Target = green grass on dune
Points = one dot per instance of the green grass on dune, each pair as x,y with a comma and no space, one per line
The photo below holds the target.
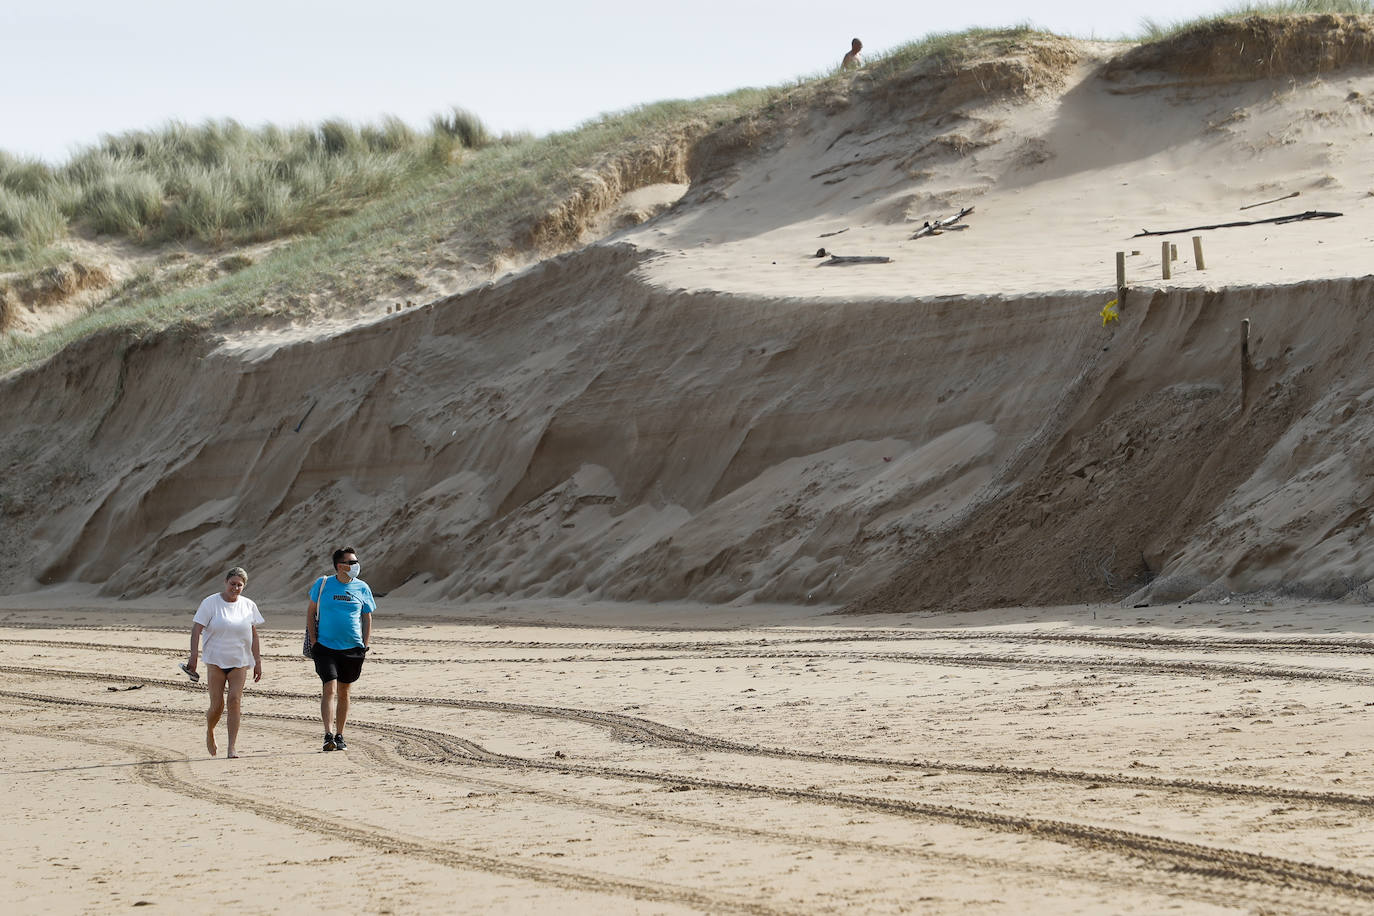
476,195
218,182
350,201
1151,30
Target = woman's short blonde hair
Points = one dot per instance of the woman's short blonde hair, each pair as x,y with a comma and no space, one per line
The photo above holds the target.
237,571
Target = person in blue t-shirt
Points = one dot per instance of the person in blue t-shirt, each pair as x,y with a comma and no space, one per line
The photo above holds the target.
338,627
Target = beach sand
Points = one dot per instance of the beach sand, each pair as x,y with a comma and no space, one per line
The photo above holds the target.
602,758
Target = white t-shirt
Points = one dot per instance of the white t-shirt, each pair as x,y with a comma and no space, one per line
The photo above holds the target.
227,640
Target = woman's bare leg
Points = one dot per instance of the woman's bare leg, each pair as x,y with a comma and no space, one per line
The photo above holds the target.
236,679
215,680
327,706
341,708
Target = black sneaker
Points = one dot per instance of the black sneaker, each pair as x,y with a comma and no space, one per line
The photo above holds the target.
339,744
331,743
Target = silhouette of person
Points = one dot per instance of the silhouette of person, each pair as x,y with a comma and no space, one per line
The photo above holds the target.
851,60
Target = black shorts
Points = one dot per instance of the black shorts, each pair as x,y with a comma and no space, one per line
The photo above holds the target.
342,665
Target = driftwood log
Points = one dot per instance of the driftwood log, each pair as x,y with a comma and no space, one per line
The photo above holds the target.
842,259
1277,220
941,225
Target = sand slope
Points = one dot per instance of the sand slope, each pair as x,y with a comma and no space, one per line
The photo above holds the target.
697,409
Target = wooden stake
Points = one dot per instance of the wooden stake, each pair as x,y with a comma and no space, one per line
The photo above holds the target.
1245,367
1173,252
1197,253
1164,260
1120,270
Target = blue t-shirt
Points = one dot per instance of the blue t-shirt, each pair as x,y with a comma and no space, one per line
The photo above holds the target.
341,611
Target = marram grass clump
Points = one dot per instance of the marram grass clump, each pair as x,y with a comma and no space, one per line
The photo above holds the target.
219,182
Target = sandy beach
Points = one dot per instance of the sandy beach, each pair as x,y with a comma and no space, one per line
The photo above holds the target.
594,758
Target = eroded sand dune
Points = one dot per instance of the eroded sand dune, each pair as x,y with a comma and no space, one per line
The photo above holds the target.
695,409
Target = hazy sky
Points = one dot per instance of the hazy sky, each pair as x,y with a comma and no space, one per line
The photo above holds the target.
71,70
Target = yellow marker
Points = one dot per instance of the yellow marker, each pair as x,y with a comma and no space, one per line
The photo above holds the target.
1109,313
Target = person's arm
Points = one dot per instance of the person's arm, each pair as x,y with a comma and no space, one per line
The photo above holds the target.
367,629
257,657
312,617
194,657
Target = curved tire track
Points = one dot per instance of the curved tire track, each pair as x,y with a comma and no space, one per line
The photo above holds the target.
158,773
1211,861
656,732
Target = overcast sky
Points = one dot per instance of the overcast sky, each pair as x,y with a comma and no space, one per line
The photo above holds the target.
71,70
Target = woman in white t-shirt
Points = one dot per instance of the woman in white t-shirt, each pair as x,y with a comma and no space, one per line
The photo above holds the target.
229,623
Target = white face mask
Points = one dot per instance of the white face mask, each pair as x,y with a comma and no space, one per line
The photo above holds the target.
353,570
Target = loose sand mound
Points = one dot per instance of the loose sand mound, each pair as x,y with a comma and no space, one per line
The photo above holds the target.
698,409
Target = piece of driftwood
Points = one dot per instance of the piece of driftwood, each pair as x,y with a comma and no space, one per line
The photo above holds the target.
940,225
1277,220
841,259
1274,201
826,235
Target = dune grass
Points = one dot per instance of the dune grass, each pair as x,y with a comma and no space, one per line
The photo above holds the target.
479,195
352,199
1152,30
219,182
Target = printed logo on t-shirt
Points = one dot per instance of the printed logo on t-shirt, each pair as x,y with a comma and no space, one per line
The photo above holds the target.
349,598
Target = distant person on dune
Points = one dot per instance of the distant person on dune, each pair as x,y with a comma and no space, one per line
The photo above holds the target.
229,622
338,628
852,60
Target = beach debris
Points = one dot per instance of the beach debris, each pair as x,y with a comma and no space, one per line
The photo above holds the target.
841,259
826,235
308,411
948,223
1110,312
1274,201
1277,220
129,687
821,253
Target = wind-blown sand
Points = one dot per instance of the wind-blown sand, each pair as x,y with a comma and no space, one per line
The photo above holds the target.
688,543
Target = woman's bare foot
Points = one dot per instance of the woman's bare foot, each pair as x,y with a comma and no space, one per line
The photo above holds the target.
210,742
231,755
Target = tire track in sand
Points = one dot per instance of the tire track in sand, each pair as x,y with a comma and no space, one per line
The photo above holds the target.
648,730
155,771
1160,851
1315,645
967,660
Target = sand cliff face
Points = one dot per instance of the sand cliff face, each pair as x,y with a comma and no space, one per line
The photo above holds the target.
568,433
646,419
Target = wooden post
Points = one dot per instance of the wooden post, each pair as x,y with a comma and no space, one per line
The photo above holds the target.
1120,270
1245,367
1164,260
1197,253
1173,252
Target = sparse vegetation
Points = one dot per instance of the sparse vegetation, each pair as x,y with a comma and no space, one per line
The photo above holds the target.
354,203
1151,30
218,182
486,195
